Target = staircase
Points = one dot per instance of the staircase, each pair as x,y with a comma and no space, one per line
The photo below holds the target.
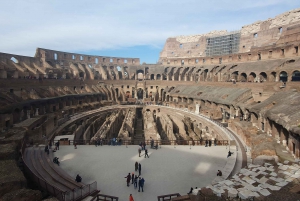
138,131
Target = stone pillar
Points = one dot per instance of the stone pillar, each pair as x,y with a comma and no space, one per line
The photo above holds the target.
36,111
197,109
28,114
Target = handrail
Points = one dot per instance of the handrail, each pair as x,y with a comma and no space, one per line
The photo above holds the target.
100,197
169,196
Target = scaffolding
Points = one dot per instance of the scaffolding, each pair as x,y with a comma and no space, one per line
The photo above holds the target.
224,44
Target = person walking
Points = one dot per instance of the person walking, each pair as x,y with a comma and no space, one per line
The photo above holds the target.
209,142
146,153
128,179
57,145
131,198
141,184
132,178
135,181
140,169
140,151
206,143
136,165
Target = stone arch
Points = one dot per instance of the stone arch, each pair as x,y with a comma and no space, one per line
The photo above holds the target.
158,77
140,74
295,76
234,75
272,77
152,77
14,60
283,76
243,77
252,77
263,77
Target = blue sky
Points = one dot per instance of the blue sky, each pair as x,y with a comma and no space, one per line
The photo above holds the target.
132,28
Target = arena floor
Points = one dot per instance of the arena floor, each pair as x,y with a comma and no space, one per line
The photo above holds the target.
168,170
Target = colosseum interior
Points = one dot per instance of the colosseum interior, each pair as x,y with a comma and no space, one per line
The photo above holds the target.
236,88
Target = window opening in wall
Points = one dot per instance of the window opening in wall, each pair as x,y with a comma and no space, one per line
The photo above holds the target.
14,60
90,66
280,29
203,60
127,86
259,56
249,56
282,51
239,57
270,53
133,61
182,61
151,87
55,56
103,59
125,61
244,46
73,57
220,60
197,45
255,35
81,58
180,46
96,60
296,49
110,60
119,68
196,61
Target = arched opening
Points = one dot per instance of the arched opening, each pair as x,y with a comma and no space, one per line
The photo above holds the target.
96,61
283,76
234,75
140,93
140,74
55,56
81,74
14,60
272,77
296,76
152,77
263,77
243,77
158,77
127,94
252,77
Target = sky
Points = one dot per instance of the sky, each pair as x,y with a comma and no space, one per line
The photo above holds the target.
131,28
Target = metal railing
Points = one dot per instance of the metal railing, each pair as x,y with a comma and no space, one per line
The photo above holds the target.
100,197
167,197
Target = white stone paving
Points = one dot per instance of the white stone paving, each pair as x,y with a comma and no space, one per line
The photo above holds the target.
168,170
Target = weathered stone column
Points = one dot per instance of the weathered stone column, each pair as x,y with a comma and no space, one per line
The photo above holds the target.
197,109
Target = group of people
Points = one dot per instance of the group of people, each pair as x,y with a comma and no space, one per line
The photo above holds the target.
98,142
115,142
135,179
209,142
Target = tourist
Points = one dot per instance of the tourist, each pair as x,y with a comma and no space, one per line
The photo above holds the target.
140,169
50,144
78,178
215,141
152,143
206,143
136,165
140,151
146,153
75,145
219,173
101,142
229,153
209,142
190,191
47,150
120,142
141,184
55,160
131,198
57,145
96,143
135,181
128,178
132,178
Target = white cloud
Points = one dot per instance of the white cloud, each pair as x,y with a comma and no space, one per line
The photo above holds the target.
78,26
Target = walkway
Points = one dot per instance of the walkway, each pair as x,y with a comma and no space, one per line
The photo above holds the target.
168,170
